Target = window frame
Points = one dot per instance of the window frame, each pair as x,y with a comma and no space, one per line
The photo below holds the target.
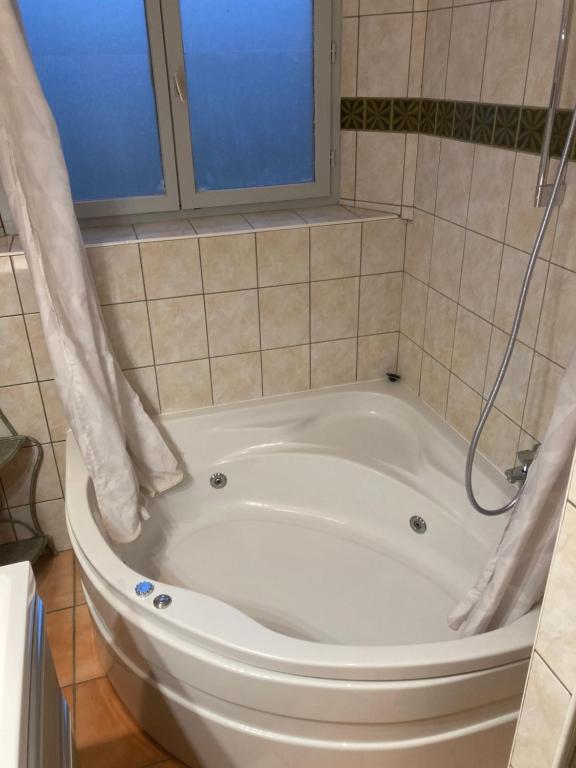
169,201
193,199
181,199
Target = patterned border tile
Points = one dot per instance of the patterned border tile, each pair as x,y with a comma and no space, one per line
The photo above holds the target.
499,125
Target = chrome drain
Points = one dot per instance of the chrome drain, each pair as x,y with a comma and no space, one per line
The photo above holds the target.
218,480
418,524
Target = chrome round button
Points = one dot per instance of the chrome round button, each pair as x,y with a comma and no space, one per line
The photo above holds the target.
218,480
162,601
418,524
144,588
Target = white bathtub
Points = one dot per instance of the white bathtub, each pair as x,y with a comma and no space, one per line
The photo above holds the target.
307,627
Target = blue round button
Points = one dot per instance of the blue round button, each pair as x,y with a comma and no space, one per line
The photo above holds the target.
144,588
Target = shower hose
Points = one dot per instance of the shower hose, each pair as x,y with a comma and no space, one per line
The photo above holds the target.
558,179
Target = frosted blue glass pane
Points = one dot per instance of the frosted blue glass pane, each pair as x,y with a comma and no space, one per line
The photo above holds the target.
250,76
93,61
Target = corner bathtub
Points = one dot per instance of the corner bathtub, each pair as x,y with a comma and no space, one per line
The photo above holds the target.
307,627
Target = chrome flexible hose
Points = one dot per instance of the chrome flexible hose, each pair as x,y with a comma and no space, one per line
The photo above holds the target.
514,332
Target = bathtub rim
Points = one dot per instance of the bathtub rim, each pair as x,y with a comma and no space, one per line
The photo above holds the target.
222,629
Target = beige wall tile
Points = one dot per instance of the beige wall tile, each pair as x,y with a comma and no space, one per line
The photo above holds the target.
436,54
427,165
347,165
409,180
543,712
543,52
409,362
380,299
60,456
480,275
349,57
434,384
171,268
17,366
237,377
39,349
419,246
523,218
383,246
413,312
564,251
283,256
350,7
57,421
557,632
467,51
129,333
228,263
22,406
377,355
184,385
542,390
163,229
557,331
440,327
285,316
463,408
454,178
286,370
207,226
51,517
333,362
471,347
447,256
274,219
233,325
514,265
335,251
509,37
178,329
380,167
499,441
117,273
24,282
384,6
334,309
417,54
490,190
512,396
143,382
384,55
9,301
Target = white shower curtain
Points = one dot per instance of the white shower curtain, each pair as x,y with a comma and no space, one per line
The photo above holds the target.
121,446
514,579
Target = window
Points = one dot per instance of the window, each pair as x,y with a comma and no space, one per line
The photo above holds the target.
165,105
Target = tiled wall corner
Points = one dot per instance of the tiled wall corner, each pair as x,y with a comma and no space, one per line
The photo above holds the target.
552,676
474,225
198,321
382,57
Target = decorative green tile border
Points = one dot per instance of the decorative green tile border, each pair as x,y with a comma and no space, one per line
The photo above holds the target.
497,125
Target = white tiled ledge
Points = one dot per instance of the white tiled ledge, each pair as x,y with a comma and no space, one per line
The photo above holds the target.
211,226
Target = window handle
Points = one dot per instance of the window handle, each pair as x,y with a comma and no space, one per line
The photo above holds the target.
179,87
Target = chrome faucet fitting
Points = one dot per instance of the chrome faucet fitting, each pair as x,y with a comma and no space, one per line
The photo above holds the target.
517,475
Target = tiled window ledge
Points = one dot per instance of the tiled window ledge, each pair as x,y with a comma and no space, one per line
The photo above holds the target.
211,226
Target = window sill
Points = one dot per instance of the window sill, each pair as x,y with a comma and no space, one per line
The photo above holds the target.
211,226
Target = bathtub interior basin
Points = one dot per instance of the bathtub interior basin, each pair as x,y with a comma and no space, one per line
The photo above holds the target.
312,535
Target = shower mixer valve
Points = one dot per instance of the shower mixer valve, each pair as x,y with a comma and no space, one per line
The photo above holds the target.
519,474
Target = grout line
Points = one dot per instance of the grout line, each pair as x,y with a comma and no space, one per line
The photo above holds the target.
359,294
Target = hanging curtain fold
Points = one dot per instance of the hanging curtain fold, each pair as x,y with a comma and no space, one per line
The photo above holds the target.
121,446
514,579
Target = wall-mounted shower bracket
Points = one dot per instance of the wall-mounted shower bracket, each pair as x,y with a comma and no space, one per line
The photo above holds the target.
544,193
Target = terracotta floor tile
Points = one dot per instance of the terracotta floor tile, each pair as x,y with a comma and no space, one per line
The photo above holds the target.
106,734
87,661
168,764
55,581
79,598
59,629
